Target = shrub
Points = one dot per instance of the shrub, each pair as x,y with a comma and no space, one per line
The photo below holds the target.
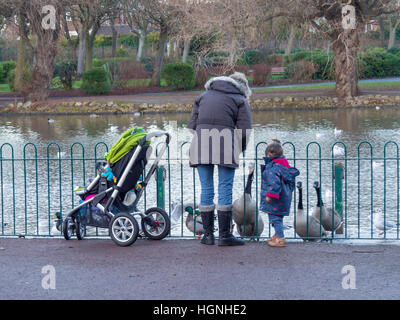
67,72
95,81
252,57
261,73
394,50
11,80
325,62
148,64
378,62
56,83
121,52
26,81
5,68
179,75
202,76
129,40
301,70
241,68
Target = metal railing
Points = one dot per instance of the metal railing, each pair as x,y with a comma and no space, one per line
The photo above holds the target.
35,184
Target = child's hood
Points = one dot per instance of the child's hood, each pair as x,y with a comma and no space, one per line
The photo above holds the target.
287,172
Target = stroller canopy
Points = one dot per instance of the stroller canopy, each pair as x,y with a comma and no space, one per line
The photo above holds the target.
129,140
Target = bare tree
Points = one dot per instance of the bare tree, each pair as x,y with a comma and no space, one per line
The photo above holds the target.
329,18
394,22
88,16
137,21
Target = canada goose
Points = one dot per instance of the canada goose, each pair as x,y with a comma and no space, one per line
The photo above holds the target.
244,211
315,229
324,214
244,208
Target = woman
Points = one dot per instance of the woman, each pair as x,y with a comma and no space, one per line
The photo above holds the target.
221,122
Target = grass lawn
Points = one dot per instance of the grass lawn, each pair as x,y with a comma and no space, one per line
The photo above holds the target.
4,87
365,85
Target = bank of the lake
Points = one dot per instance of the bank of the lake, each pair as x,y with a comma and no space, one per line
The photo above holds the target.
184,101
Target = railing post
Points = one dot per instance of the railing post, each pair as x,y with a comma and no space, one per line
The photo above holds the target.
339,192
161,175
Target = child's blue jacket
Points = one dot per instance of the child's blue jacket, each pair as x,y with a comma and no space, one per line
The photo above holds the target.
277,185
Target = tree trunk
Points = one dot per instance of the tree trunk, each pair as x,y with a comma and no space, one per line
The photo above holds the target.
292,36
114,38
186,50
346,48
381,31
88,50
392,37
81,51
21,61
67,36
156,77
45,63
142,39
177,50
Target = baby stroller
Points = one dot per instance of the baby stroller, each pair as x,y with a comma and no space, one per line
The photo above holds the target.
113,204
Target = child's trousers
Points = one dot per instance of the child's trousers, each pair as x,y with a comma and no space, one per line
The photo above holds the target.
277,223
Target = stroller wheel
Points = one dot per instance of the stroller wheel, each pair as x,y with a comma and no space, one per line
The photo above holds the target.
156,225
124,229
68,228
80,230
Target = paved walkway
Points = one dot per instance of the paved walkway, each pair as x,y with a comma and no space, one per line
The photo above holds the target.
184,269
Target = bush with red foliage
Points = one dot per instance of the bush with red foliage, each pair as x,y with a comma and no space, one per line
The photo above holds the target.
260,73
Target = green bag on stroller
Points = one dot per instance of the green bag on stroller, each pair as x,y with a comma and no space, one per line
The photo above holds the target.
125,144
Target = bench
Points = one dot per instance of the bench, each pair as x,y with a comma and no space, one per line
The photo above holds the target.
278,71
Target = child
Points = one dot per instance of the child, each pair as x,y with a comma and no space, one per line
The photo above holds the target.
277,185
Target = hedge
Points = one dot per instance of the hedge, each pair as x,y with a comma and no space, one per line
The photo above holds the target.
378,62
179,75
95,81
5,69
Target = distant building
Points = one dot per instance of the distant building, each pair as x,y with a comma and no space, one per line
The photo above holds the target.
371,25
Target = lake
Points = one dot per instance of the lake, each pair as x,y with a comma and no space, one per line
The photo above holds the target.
370,184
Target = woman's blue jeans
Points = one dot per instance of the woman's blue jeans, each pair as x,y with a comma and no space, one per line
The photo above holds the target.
225,184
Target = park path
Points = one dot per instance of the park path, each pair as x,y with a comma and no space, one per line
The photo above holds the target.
186,97
184,269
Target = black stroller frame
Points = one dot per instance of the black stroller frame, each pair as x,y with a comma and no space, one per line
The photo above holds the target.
123,227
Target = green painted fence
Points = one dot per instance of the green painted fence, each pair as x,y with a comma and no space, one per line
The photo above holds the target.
362,184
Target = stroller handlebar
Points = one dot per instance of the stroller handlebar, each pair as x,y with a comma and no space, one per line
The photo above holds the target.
156,134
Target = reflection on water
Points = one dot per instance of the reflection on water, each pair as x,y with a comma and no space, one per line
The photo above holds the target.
25,194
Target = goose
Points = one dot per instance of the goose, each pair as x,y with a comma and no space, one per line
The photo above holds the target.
324,214
244,211
244,208
315,228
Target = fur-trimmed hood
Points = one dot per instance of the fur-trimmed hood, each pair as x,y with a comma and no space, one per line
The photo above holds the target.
228,85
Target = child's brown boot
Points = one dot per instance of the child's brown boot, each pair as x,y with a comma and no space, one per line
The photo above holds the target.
272,238
277,242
